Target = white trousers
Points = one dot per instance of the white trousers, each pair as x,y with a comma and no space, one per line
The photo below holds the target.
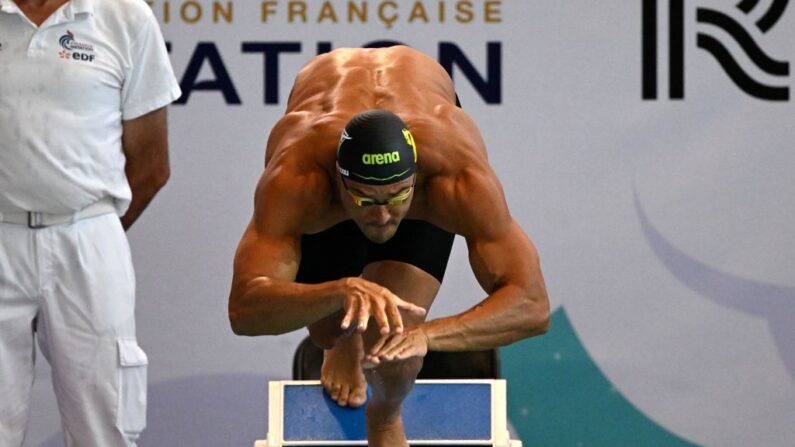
71,287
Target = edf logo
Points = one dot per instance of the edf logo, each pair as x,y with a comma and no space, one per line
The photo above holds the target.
744,32
68,43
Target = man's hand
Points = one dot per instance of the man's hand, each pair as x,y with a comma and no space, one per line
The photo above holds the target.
396,347
365,299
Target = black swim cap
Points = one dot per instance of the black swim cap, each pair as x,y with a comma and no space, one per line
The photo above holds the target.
376,148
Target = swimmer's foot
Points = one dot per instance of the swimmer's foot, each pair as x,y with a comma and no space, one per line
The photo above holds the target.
341,374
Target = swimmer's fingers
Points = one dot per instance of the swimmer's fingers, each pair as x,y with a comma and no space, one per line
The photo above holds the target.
386,314
378,345
401,347
393,314
409,307
383,353
370,360
364,315
379,313
351,311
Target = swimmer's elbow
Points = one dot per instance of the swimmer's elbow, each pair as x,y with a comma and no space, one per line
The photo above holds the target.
247,327
541,323
237,321
238,328
251,312
537,320
242,322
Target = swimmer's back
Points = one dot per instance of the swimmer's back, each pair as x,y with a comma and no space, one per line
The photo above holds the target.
349,80
333,87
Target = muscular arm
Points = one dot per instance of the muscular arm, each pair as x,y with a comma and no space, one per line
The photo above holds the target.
145,146
265,299
516,306
466,197
506,265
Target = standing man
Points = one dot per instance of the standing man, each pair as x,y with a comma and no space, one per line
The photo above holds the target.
83,150
368,176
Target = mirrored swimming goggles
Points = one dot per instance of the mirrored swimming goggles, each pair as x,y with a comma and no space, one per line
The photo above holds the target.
398,199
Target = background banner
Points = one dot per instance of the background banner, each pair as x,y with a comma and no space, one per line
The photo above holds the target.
645,146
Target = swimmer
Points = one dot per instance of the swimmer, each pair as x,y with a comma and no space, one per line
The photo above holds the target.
369,175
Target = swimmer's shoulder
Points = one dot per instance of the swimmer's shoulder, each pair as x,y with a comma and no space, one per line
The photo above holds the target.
300,156
454,168
448,141
306,138
295,191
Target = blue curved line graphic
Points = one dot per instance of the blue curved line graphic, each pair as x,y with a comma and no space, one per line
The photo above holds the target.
772,15
773,303
64,41
747,5
736,73
726,23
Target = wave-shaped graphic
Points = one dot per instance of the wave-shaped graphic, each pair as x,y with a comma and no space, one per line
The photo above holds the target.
748,45
747,6
744,39
772,16
773,303
737,74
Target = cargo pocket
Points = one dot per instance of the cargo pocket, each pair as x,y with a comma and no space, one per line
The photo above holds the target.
131,416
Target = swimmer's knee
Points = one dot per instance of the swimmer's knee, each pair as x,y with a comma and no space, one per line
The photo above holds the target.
326,332
322,342
324,338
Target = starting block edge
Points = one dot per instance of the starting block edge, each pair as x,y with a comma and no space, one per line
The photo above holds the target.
500,434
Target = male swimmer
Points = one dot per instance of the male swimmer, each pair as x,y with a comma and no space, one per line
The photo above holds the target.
368,176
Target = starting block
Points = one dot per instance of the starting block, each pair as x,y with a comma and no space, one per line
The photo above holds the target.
435,413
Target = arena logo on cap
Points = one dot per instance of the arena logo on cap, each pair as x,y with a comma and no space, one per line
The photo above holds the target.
736,28
381,159
72,49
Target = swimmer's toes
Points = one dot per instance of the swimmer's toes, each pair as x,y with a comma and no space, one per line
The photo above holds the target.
333,389
358,396
342,399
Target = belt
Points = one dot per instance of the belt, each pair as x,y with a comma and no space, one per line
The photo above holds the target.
36,220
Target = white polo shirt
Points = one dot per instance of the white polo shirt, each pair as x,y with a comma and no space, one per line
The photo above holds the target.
65,88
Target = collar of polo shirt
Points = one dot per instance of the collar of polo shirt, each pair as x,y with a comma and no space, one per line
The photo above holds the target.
82,6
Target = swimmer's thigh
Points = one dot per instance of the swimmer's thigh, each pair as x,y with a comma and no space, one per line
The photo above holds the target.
411,264
338,252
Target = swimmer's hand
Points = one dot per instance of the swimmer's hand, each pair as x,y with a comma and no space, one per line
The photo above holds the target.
364,300
396,347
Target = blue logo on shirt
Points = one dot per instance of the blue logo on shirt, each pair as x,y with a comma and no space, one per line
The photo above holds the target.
69,44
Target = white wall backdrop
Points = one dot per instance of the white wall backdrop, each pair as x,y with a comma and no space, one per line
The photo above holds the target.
666,226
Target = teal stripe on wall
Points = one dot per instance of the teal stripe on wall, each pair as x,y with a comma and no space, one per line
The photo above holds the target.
557,396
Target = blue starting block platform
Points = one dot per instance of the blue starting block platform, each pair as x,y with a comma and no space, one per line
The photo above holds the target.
435,413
